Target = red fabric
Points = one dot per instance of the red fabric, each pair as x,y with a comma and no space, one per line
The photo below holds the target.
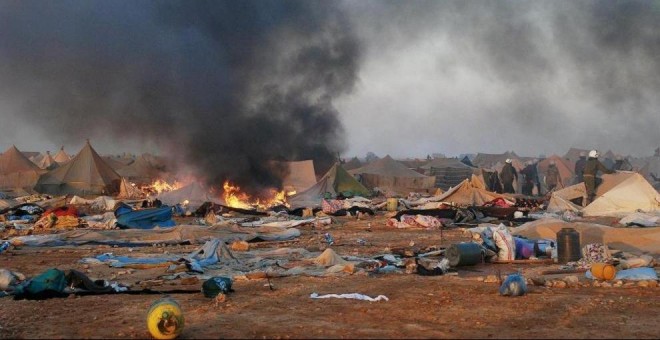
62,211
498,202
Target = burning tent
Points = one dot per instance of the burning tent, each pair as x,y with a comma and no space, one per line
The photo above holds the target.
85,174
140,171
192,195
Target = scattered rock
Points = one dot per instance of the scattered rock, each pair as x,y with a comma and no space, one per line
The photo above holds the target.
643,283
596,283
240,246
559,284
606,284
653,283
571,280
491,279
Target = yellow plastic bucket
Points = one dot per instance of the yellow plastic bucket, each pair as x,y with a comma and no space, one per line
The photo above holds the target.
392,204
603,271
165,319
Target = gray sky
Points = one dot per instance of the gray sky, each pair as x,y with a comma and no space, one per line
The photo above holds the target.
466,76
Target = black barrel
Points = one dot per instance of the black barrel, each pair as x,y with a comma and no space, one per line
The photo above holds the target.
463,254
568,245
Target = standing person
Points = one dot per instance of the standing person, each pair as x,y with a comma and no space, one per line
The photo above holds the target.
579,168
528,178
590,171
535,176
507,175
552,177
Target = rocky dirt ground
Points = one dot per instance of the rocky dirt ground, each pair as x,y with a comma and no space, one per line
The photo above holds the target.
448,306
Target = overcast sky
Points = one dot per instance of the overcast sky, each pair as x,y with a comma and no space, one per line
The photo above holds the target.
469,76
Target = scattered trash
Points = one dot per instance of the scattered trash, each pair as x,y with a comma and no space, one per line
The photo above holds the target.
355,296
329,239
514,285
165,319
361,242
4,246
603,271
216,285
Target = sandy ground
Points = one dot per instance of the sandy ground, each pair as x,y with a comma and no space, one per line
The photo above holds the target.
418,307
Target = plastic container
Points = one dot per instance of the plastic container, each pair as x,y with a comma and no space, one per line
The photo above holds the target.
392,204
568,245
603,271
464,254
165,319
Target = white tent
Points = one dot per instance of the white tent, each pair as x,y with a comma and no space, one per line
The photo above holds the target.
633,194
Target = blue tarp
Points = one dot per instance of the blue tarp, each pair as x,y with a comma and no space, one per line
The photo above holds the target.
146,218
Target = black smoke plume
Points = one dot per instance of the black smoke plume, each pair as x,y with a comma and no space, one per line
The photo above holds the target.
225,85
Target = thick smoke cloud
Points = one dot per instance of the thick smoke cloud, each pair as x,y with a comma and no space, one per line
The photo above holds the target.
225,85
490,76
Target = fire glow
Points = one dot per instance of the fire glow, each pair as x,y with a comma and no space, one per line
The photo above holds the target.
235,198
161,186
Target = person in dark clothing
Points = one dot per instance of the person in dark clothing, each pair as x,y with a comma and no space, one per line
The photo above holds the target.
590,171
529,178
552,177
494,184
507,175
579,168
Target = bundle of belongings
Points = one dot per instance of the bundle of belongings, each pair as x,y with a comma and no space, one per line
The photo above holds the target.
624,266
60,218
414,221
143,218
28,212
346,207
54,283
500,245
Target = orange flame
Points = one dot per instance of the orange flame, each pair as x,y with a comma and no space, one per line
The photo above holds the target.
237,199
161,186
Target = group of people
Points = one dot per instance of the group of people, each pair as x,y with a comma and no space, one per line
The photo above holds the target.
586,170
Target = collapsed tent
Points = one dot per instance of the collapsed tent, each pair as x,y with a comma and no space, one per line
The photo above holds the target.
619,193
388,174
633,194
192,195
448,172
470,194
85,174
17,171
627,239
145,218
300,176
335,181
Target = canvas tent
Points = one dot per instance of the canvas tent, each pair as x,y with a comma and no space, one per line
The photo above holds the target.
115,163
336,180
193,193
128,191
16,171
448,172
487,160
48,162
140,171
386,173
354,163
300,176
61,156
85,174
470,194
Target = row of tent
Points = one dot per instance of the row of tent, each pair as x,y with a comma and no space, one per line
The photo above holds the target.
87,173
